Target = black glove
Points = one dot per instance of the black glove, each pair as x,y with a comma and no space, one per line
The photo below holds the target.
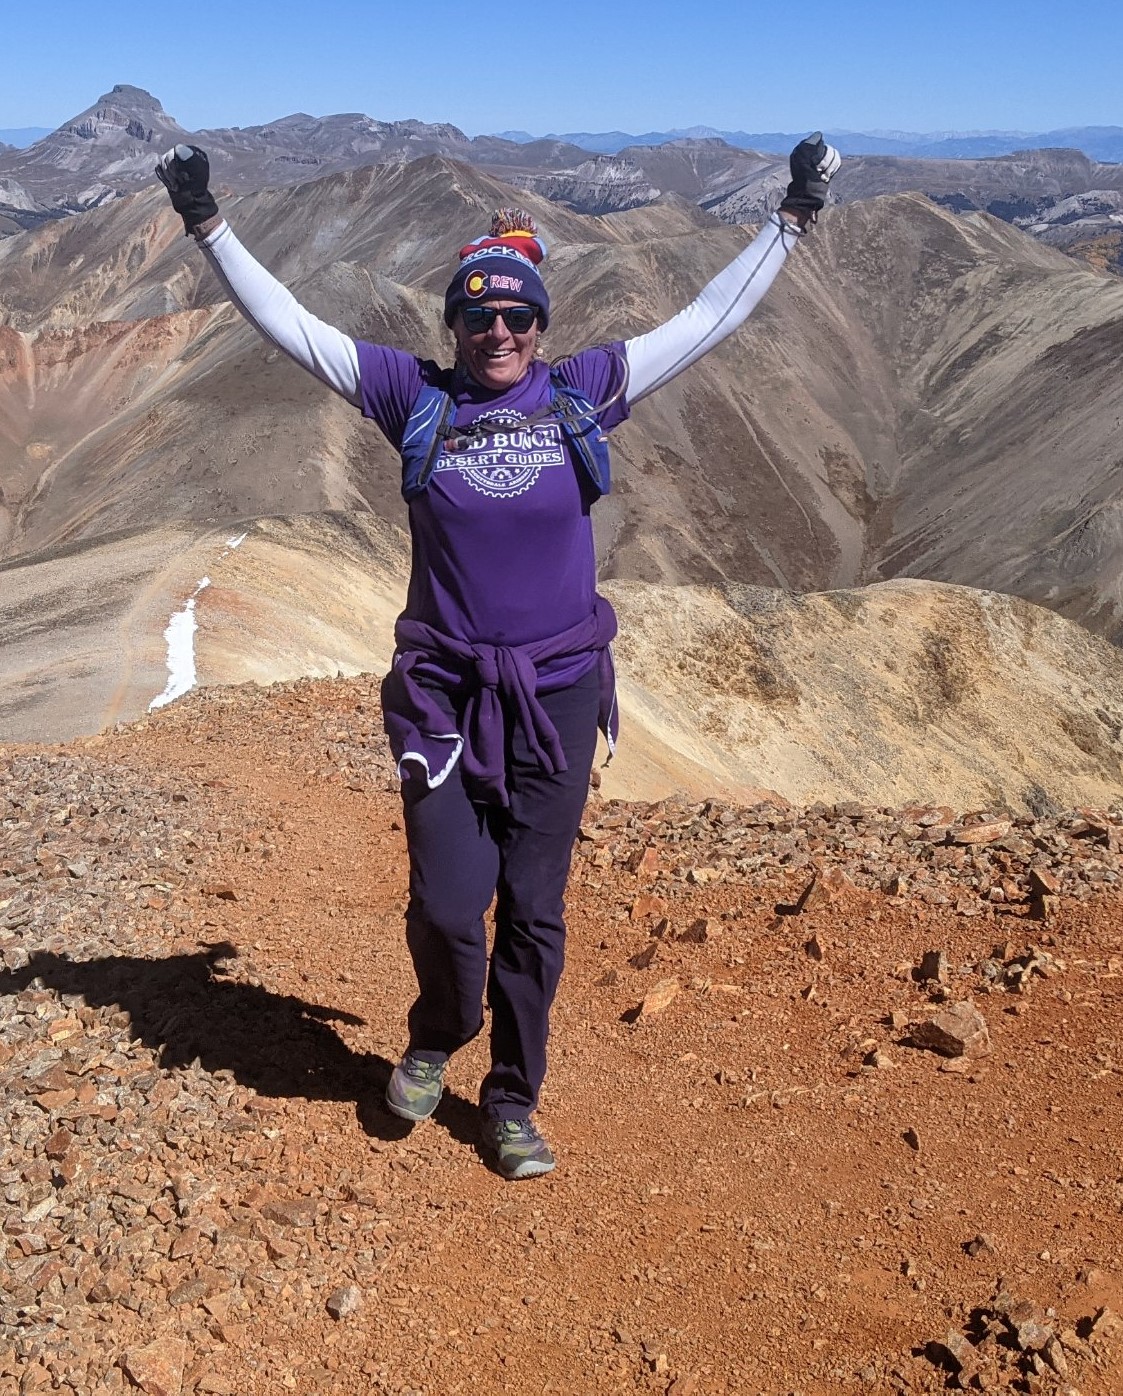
185,172
813,165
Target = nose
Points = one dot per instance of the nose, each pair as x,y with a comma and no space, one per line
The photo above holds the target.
498,331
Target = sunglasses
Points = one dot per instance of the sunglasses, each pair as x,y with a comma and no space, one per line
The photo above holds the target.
478,319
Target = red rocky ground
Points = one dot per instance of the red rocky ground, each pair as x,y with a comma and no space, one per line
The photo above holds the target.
765,1185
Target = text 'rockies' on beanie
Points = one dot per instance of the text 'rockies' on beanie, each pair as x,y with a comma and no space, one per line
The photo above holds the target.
503,265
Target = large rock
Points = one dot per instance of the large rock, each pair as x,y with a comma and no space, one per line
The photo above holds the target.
158,1368
959,1030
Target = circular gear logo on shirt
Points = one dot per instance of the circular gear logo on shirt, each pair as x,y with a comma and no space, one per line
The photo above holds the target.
510,456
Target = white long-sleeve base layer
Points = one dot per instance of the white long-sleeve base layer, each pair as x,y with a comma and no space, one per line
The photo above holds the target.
654,358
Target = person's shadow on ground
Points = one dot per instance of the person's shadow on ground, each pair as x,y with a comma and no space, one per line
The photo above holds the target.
183,1008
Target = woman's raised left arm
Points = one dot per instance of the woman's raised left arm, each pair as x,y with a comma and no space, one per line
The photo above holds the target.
728,300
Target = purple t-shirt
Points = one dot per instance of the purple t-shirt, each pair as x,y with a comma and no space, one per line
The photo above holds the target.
502,537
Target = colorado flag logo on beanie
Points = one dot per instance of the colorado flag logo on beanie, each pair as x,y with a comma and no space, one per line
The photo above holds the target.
504,263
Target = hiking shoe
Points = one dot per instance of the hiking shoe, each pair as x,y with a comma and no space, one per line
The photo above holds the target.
520,1151
416,1087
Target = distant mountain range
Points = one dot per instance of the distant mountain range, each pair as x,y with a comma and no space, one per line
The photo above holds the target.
110,149
1103,143
1058,194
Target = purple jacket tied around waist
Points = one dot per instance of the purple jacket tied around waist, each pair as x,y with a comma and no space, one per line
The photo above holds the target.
490,685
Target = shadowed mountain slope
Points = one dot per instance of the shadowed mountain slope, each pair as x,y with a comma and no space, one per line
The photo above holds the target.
1009,401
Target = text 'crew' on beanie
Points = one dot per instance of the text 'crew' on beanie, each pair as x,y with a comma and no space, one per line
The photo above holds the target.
502,265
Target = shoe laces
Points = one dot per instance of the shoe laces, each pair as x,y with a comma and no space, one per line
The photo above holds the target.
521,1130
418,1069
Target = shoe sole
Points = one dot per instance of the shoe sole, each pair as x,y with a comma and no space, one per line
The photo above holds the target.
531,1168
403,1112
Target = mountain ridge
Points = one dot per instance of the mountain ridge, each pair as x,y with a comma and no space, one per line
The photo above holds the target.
1099,142
112,147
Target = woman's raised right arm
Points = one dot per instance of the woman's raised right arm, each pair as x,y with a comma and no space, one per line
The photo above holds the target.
271,308
276,314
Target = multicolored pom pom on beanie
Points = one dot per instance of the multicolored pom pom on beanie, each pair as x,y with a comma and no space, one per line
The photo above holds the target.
502,265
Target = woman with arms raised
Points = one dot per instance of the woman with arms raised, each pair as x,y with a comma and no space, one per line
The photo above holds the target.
502,671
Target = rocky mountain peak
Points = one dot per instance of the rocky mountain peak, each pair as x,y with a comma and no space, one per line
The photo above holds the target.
136,98
125,113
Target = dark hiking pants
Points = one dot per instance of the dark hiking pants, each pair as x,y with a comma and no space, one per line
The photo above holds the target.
461,855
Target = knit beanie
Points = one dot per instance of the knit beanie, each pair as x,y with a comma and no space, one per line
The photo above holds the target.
503,265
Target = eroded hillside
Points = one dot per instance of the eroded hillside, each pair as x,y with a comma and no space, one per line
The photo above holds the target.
921,393
897,691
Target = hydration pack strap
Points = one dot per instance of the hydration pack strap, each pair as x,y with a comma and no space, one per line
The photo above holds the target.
430,428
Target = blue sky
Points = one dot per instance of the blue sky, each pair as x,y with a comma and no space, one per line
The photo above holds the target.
590,65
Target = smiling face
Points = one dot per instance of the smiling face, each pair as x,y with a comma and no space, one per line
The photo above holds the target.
497,358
